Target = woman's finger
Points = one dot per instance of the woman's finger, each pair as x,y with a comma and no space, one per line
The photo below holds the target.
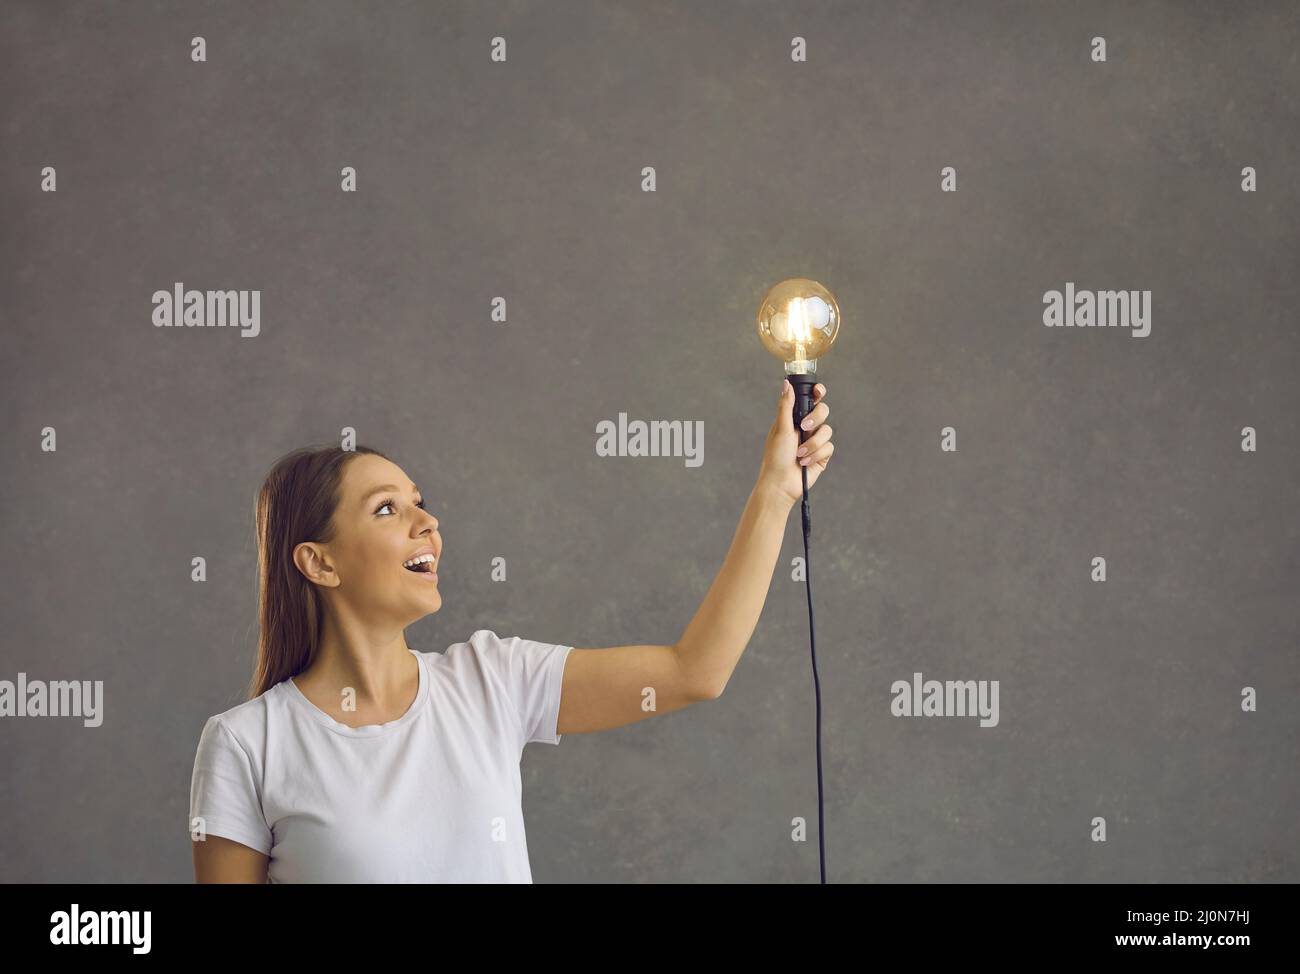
816,416
818,456
815,441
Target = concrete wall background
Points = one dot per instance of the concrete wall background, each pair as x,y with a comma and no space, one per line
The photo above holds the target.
523,179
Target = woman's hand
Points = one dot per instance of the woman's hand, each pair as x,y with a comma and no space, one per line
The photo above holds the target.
783,454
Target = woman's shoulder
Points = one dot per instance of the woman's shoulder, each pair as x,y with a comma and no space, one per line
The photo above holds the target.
246,721
493,658
483,649
478,642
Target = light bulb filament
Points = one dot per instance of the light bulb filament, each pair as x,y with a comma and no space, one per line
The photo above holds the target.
799,329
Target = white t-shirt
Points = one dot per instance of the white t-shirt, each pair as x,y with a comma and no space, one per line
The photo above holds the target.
431,797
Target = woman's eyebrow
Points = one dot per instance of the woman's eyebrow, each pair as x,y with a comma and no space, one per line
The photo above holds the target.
384,487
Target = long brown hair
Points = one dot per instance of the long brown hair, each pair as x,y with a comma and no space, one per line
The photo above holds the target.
295,504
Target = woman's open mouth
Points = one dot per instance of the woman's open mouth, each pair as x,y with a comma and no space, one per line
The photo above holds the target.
425,566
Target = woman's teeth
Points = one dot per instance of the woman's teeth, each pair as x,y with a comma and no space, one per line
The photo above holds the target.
415,563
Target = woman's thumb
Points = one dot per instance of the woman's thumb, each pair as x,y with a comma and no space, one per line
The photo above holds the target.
784,404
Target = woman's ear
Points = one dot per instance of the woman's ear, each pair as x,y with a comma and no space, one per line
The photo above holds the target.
312,562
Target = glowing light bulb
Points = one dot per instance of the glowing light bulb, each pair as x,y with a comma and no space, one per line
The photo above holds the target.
798,320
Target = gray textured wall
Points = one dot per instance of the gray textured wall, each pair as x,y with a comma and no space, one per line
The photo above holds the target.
1119,699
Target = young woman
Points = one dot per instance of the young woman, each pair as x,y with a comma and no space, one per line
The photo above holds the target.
358,759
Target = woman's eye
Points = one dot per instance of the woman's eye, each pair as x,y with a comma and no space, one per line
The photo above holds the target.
390,503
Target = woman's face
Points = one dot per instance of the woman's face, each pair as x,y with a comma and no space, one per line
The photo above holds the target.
379,525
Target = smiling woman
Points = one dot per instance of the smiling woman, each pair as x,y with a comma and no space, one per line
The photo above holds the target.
358,759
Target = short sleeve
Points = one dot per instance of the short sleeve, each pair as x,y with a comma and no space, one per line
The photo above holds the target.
224,791
533,675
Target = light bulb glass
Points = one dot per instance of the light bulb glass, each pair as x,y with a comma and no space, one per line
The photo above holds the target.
798,320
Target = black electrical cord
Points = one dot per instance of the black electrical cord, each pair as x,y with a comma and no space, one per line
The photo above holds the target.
803,403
